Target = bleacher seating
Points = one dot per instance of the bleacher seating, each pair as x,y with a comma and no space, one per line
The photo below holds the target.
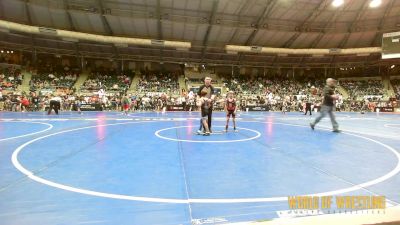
54,78
10,78
271,91
361,88
260,85
53,81
163,83
116,83
396,86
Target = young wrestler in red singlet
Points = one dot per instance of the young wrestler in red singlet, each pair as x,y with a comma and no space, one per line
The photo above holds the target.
230,109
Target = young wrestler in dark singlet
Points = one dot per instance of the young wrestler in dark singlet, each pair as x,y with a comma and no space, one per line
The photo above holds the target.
205,105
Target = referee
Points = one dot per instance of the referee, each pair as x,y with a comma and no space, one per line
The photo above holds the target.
328,105
207,87
55,103
308,105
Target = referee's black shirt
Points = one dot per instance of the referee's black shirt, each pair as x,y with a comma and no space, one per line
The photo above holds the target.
328,100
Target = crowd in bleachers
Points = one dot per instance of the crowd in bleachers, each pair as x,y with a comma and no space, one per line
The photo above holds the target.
396,87
54,78
154,89
191,81
273,91
276,85
15,102
162,83
109,82
39,102
361,88
194,81
10,78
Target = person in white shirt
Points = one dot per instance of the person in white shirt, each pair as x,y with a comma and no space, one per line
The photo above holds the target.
102,95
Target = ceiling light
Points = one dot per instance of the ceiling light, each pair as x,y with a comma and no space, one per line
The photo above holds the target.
375,3
392,66
337,3
2,51
12,51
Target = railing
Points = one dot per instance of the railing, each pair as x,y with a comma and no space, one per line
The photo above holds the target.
76,36
180,45
303,51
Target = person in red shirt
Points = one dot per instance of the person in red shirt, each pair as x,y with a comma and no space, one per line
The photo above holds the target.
24,103
230,109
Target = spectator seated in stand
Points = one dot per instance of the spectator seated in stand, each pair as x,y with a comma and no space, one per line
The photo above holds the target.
110,82
58,79
361,88
260,90
10,78
53,81
396,87
163,83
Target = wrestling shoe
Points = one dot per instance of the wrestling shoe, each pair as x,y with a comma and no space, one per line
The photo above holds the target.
199,132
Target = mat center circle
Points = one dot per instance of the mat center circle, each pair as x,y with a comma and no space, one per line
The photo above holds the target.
188,134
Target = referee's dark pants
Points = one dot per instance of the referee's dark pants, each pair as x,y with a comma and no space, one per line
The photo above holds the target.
308,108
325,109
54,105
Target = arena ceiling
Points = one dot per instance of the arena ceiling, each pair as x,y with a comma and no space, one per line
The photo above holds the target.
209,25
